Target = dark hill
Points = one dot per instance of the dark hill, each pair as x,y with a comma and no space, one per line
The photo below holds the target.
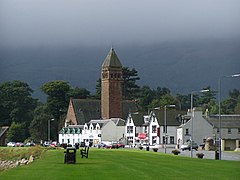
180,66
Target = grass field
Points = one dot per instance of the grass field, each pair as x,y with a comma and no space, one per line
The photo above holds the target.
123,164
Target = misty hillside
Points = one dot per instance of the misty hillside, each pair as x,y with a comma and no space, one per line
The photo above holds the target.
180,66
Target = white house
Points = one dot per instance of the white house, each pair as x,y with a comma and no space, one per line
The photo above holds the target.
195,128
150,129
93,132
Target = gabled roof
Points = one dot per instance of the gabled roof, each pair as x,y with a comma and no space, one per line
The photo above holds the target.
171,117
112,60
103,122
90,109
86,110
227,121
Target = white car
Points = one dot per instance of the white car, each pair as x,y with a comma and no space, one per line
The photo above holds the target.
11,144
187,146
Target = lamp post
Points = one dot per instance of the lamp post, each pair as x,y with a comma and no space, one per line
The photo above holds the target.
192,116
49,127
165,125
219,109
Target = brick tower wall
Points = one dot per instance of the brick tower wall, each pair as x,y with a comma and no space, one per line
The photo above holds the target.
111,93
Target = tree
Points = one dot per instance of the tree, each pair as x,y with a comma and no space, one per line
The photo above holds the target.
230,105
183,101
146,97
98,89
39,125
207,96
16,132
78,93
57,99
130,88
16,103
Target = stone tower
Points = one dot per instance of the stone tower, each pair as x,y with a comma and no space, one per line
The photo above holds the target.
111,92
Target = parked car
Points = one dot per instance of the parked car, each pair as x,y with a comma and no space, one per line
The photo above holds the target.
101,145
46,144
11,144
19,144
121,145
108,146
29,144
54,144
187,146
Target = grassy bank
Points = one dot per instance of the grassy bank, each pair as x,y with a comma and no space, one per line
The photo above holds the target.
17,153
124,164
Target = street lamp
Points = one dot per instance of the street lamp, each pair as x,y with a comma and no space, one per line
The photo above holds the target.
192,116
49,126
165,124
219,108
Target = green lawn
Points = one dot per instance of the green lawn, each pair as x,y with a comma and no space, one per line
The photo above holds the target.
124,164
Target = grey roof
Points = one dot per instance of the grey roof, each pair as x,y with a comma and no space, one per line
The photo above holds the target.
103,122
90,109
112,60
227,121
171,118
86,110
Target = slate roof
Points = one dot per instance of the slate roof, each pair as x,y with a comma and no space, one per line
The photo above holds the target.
171,117
227,121
90,109
112,60
86,110
102,122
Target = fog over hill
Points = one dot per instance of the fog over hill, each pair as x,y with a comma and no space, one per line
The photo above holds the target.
180,66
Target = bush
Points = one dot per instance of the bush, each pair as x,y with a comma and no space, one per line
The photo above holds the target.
155,149
175,152
140,147
200,155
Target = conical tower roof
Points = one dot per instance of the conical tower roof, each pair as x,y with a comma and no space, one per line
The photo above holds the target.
112,60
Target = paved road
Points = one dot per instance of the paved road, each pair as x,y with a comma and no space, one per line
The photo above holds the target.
233,156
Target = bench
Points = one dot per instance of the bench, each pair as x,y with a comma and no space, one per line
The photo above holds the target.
84,152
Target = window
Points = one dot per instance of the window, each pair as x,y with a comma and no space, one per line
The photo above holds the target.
91,128
187,132
154,129
164,129
165,139
238,130
229,131
217,130
154,139
171,139
129,129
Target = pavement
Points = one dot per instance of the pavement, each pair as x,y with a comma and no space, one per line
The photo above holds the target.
225,155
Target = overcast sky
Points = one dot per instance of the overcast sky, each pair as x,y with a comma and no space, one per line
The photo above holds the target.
109,22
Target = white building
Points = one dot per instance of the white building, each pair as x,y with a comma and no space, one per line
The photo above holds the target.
150,129
93,132
195,128
230,130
